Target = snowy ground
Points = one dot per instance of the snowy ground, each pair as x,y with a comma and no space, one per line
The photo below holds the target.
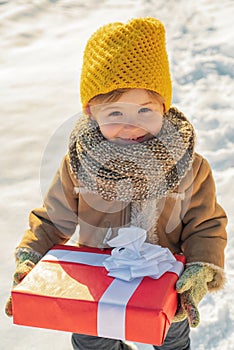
41,50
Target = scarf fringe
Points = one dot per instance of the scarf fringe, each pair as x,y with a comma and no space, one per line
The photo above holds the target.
145,215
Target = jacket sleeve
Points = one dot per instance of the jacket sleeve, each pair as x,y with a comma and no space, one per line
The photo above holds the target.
204,235
56,221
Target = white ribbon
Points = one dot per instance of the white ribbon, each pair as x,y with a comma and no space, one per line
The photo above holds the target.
92,259
111,316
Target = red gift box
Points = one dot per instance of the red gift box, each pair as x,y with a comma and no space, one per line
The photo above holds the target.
70,290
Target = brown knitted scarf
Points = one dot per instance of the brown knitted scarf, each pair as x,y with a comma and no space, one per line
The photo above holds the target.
134,172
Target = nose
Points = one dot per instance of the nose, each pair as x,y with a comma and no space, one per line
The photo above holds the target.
129,129
128,126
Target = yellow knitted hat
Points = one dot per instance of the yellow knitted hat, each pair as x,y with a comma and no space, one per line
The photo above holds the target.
131,55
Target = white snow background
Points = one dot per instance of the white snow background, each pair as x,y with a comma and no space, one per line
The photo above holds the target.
41,46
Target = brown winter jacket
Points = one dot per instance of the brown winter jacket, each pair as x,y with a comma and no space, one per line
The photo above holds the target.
189,220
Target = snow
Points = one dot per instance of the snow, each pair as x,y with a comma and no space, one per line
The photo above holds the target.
41,52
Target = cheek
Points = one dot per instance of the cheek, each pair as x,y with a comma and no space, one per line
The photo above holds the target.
153,127
110,131
156,127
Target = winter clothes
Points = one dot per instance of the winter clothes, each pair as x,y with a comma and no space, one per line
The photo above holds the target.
136,172
25,263
131,55
84,342
172,340
177,337
187,220
183,215
159,185
192,287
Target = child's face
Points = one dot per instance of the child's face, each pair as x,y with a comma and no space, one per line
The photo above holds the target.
135,117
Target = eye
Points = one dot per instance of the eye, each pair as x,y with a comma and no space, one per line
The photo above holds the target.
144,110
115,114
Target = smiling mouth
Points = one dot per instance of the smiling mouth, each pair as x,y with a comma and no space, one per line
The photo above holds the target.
132,140
135,139
139,139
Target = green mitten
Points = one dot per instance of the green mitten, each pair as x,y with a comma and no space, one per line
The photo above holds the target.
192,287
26,262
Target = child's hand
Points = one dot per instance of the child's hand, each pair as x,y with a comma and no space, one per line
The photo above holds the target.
26,262
21,271
192,287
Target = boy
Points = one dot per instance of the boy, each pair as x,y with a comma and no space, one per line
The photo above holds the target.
131,161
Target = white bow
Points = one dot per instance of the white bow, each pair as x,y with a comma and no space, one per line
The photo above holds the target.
132,257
